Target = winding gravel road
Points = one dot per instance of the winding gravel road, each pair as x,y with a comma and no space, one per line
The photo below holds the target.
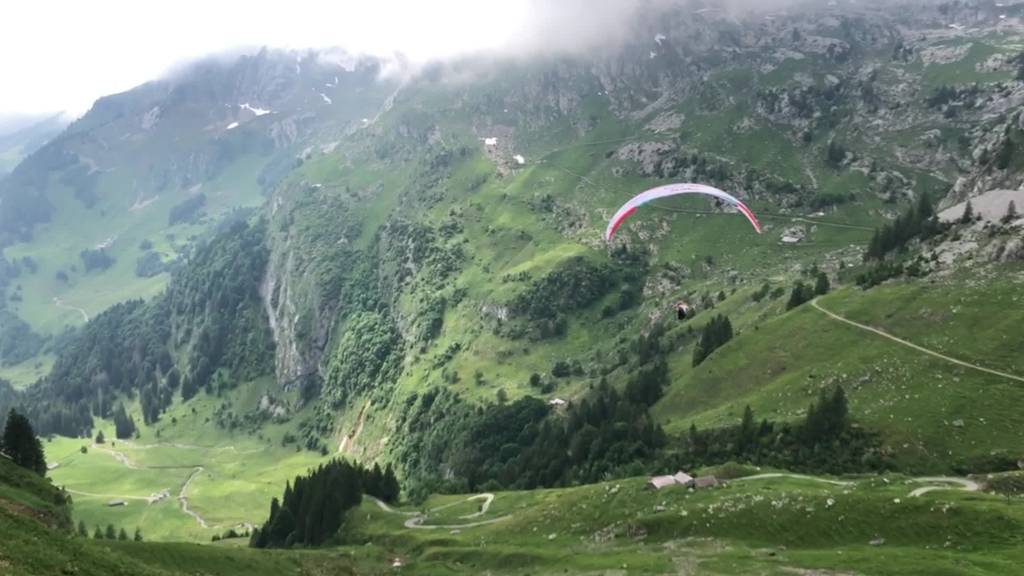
796,476
417,519
959,484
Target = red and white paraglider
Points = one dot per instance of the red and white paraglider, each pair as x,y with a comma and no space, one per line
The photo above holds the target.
683,309
635,202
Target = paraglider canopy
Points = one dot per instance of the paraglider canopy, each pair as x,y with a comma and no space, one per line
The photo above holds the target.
635,202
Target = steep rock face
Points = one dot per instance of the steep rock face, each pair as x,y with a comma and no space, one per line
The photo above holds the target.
299,289
291,363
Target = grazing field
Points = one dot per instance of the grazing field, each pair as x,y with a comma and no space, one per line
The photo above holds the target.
927,408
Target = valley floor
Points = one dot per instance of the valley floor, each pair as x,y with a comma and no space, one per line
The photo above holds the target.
767,522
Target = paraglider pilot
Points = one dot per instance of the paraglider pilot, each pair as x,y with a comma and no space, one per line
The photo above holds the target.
682,310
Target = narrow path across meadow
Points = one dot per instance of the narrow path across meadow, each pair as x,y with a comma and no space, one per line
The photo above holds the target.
110,496
898,340
182,494
60,304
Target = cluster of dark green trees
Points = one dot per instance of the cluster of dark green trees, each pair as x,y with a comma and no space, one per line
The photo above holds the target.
124,424
17,340
945,95
211,316
150,264
547,301
713,336
880,272
803,293
313,507
826,441
110,533
526,444
187,211
230,534
20,444
919,221
24,191
96,259
835,154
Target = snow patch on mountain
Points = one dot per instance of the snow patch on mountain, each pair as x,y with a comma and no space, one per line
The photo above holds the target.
254,109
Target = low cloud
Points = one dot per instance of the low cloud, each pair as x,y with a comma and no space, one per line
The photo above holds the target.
106,46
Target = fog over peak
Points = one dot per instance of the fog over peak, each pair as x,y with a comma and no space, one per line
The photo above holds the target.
106,46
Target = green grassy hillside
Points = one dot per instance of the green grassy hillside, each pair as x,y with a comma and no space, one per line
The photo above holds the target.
765,526
36,540
231,475
402,259
935,414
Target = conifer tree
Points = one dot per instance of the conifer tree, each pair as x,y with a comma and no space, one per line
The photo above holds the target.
748,430
968,215
21,445
1011,213
801,293
821,284
713,336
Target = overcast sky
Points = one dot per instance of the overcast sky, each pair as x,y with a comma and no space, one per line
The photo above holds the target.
62,55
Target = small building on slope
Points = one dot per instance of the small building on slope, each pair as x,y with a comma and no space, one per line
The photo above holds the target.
678,479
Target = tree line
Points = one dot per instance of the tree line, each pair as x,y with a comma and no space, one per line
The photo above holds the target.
110,533
825,441
124,424
313,507
527,444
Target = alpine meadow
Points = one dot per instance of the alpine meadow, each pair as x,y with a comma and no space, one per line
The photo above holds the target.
733,288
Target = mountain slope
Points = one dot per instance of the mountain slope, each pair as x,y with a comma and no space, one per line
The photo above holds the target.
109,205
936,415
404,285
18,140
